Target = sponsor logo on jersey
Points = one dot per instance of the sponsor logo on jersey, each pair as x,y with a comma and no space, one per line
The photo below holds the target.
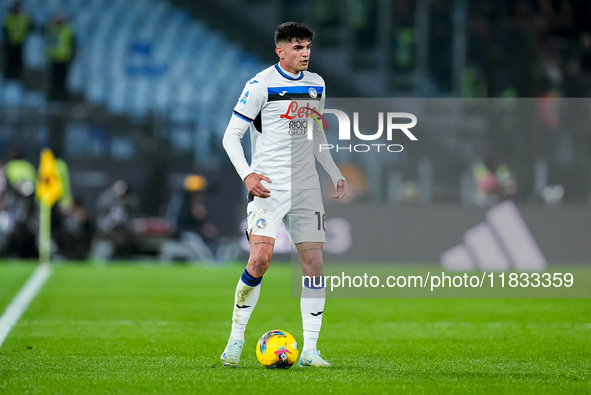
298,127
301,118
295,111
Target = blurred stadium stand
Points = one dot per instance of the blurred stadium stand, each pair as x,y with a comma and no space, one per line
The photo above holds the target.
155,82
140,57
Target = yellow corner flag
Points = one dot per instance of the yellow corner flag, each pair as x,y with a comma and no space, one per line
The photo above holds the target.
49,185
49,190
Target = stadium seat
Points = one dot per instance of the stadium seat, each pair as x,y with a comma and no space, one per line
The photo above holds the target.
34,52
13,93
34,99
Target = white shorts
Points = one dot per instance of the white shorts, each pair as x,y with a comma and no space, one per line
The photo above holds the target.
301,211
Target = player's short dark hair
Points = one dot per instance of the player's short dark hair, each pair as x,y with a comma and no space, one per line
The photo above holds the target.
289,31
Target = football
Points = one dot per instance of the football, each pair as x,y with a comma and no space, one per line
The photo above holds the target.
277,349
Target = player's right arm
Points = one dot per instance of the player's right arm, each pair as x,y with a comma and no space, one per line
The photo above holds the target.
250,103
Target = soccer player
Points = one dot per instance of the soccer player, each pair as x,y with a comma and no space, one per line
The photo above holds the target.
276,105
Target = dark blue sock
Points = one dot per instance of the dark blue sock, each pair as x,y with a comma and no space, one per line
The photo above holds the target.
248,279
314,282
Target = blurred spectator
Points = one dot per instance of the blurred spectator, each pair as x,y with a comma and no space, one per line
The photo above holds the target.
70,227
361,19
493,179
474,83
18,170
61,50
574,83
116,207
403,37
16,27
585,52
529,48
189,216
73,231
327,13
193,212
440,48
18,216
196,237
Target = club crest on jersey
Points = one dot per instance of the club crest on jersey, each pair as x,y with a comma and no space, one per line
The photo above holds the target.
262,223
313,93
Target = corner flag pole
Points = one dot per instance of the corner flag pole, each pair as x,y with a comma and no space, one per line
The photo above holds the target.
44,233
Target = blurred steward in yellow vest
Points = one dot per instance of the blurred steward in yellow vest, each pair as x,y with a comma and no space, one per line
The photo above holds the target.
61,50
15,28
493,180
19,171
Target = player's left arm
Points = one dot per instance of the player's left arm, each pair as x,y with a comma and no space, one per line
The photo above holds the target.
325,159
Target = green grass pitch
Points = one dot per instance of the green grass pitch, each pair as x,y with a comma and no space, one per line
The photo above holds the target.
138,328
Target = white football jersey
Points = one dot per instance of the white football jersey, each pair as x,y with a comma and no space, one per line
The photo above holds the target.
275,102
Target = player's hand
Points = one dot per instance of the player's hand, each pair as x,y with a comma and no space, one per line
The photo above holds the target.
254,186
341,189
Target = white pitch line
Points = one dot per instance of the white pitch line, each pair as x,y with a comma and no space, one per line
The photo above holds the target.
21,301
